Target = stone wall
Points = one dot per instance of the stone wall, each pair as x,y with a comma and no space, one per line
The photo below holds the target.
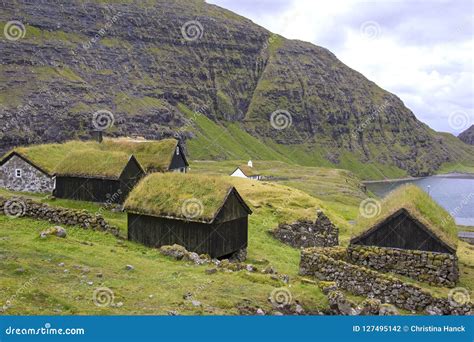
434,268
23,207
304,233
31,180
328,264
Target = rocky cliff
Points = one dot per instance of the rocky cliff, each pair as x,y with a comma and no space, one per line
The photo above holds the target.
468,136
152,63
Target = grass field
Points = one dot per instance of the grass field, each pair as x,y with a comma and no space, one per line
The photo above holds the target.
59,276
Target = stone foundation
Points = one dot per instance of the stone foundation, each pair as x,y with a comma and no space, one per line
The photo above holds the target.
304,233
329,264
19,207
434,268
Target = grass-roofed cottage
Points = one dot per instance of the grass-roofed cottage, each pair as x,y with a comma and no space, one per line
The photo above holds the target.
204,214
412,235
97,176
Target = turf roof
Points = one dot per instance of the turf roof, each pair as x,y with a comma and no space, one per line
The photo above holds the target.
421,206
93,163
248,171
189,197
152,155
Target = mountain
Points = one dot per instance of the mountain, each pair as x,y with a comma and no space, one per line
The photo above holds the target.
228,87
468,135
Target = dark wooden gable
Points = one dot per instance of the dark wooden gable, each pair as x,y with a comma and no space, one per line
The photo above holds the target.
179,159
233,208
402,230
133,169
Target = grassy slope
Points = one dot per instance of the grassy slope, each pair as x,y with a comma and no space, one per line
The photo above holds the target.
229,141
52,289
340,190
464,155
154,274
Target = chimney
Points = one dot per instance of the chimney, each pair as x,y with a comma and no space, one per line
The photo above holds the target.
250,164
97,135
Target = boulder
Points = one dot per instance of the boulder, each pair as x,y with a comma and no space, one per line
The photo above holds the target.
56,230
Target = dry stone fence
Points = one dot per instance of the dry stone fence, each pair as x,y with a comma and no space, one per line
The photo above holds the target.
20,206
333,264
434,268
305,233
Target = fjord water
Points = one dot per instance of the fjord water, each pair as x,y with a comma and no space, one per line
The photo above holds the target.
454,192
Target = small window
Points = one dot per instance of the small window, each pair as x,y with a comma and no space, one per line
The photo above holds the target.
177,151
18,173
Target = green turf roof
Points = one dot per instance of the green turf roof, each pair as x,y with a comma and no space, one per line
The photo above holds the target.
249,171
175,195
152,155
93,163
421,206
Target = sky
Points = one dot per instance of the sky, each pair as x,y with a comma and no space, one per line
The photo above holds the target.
422,51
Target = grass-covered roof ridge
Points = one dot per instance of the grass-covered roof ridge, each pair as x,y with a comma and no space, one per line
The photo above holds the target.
418,204
249,171
185,196
93,163
153,155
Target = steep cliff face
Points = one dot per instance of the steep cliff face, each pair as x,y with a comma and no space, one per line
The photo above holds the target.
146,61
468,135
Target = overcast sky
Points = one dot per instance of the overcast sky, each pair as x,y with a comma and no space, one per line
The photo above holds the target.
420,50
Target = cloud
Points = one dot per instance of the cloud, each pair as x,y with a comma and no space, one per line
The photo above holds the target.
420,50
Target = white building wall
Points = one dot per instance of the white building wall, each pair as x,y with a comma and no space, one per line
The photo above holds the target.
238,173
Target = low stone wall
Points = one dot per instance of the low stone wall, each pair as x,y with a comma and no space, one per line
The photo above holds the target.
305,233
434,268
328,264
19,207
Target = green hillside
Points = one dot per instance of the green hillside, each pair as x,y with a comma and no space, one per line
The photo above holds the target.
254,102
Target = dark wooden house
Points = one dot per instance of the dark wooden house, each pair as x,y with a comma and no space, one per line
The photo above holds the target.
96,176
204,214
404,230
